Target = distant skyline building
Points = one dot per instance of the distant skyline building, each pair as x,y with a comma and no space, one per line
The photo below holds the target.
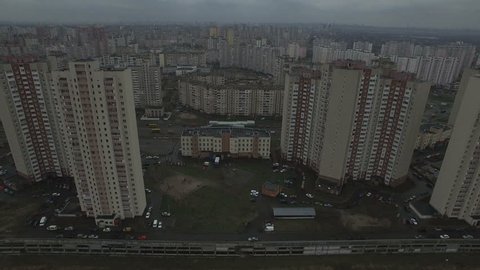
363,46
26,107
346,121
231,93
455,194
146,77
99,135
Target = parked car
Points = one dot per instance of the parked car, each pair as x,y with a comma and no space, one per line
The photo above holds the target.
69,228
43,221
155,223
107,229
147,215
142,237
252,239
445,236
467,236
310,196
166,214
413,221
52,228
269,227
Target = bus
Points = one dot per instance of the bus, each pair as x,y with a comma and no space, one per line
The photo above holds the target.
155,130
152,125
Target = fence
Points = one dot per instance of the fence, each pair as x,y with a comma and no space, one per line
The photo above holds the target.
212,249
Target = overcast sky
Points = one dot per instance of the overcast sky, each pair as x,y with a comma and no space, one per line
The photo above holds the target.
401,13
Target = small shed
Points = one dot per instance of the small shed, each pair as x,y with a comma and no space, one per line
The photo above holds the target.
294,212
271,189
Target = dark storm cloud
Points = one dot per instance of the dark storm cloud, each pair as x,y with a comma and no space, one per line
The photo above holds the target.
403,13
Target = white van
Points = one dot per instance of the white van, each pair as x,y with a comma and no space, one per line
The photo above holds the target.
43,221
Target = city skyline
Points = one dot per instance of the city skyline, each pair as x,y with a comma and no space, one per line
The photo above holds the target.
238,139
438,14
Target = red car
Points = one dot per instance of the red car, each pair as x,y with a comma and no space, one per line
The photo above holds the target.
142,237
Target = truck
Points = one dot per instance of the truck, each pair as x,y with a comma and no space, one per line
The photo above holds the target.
217,161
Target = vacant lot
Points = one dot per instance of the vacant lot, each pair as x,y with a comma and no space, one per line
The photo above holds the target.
216,200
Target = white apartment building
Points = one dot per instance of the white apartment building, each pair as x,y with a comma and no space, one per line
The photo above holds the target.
456,192
96,115
26,114
326,54
214,94
347,121
232,142
363,46
146,77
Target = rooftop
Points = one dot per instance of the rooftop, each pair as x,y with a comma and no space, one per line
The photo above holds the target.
293,211
218,131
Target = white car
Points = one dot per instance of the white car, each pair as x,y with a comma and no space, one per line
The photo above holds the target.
160,225
269,227
148,190
155,223
69,228
252,239
467,236
107,229
445,236
166,214
413,221
310,196
52,228
147,215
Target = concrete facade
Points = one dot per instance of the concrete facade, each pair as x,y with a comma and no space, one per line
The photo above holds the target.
96,113
346,121
456,193
26,113
214,94
225,141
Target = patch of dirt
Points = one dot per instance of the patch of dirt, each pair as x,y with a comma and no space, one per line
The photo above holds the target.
236,177
187,116
358,222
13,214
180,186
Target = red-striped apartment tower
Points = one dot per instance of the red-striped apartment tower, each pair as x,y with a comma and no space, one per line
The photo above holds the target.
350,122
